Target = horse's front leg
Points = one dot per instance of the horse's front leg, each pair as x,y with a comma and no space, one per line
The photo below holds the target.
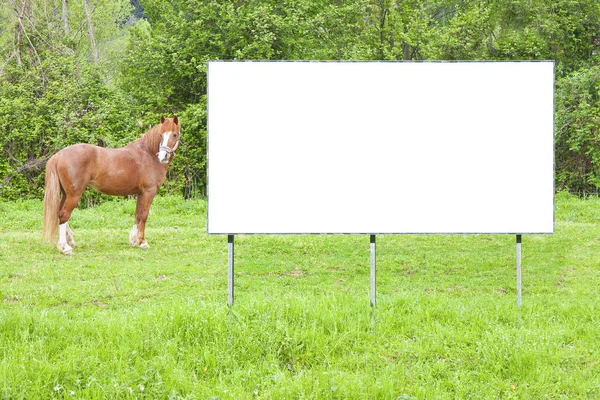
142,209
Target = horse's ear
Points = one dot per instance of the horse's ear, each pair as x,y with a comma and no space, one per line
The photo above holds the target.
162,119
176,120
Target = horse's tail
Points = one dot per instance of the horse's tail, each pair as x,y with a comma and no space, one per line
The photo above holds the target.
51,202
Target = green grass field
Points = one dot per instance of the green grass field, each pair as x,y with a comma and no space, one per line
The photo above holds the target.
114,321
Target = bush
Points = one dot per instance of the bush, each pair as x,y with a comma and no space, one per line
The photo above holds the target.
577,131
43,112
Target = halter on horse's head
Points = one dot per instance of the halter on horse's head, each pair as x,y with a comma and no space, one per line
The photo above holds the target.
170,139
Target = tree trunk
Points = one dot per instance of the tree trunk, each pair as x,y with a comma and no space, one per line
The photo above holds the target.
48,25
406,53
65,18
383,14
20,33
88,16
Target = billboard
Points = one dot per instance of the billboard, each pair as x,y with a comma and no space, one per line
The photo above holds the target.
380,147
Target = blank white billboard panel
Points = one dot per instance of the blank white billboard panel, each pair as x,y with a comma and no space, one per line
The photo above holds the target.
380,147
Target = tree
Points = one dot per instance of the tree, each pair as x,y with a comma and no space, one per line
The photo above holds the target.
97,70
578,130
51,96
88,17
65,18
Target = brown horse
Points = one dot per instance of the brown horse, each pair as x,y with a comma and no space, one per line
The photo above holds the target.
136,169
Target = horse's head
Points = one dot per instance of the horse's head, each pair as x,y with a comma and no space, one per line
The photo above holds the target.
170,131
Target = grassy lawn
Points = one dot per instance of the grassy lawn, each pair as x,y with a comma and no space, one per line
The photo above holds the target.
114,321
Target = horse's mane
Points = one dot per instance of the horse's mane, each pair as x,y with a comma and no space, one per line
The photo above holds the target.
151,139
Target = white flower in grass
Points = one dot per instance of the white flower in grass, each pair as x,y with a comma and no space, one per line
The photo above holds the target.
141,387
57,388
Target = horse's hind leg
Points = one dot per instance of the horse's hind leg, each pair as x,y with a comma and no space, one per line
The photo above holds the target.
70,236
62,245
65,234
69,233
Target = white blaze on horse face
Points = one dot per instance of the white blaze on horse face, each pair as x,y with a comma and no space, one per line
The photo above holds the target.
163,156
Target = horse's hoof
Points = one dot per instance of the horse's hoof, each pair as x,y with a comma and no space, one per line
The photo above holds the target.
65,249
144,245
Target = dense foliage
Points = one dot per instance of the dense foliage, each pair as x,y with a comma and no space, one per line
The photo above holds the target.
103,71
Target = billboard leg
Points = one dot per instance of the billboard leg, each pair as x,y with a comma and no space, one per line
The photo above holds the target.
519,292
230,270
373,259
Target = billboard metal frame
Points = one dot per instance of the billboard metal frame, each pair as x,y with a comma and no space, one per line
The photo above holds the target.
230,235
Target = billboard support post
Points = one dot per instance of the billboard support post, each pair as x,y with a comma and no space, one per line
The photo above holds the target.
230,269
519,292
373,261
